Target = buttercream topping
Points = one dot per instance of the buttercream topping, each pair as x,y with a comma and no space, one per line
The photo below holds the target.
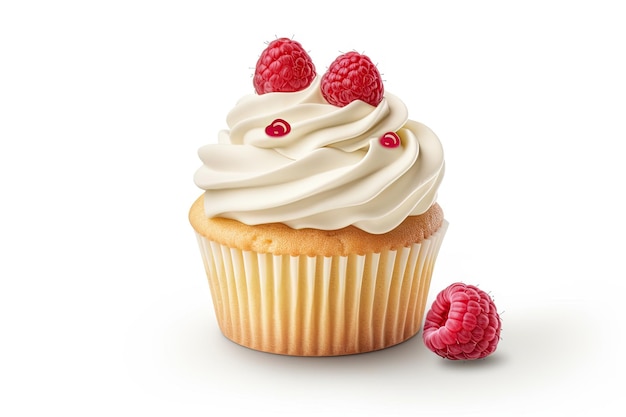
327,167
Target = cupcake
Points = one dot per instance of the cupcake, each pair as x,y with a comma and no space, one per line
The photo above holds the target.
318,226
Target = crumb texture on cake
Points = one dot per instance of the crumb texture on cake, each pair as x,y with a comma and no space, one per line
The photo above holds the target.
280,239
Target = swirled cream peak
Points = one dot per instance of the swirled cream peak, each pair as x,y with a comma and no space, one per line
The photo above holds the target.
330,170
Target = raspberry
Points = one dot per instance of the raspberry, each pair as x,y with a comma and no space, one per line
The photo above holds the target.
462,323
284,66
352,76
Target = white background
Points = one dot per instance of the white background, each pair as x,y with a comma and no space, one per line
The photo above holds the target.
104,306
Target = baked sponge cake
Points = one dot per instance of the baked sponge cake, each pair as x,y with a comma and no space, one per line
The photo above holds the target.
318,226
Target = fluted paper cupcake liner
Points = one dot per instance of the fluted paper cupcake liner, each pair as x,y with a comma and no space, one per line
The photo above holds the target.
320,306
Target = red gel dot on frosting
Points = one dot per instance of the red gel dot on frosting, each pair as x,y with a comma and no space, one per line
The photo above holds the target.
390,140
277,128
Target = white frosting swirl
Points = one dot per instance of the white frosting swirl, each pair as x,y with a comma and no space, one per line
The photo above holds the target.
328,172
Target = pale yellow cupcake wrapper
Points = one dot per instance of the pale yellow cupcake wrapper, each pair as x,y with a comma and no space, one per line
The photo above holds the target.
320,306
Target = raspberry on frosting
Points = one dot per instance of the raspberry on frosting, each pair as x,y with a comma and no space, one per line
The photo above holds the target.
462,323
352,76
284,66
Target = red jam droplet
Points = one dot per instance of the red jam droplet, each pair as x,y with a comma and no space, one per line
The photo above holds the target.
390,140
278,128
